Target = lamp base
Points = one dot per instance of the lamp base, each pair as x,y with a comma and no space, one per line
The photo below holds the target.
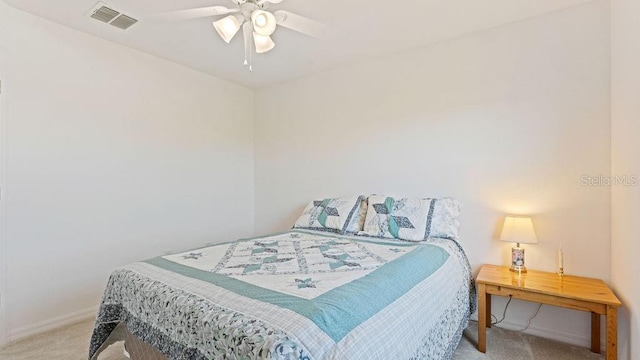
517,259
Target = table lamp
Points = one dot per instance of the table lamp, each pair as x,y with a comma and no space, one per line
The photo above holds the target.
519,230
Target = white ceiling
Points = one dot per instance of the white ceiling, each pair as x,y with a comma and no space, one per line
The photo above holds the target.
359,30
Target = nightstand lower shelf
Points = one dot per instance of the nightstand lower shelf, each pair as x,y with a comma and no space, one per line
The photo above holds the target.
573,292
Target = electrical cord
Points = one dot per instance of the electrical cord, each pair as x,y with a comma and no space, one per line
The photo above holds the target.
531,319
504,314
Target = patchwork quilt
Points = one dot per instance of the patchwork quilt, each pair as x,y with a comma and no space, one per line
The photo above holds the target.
294,296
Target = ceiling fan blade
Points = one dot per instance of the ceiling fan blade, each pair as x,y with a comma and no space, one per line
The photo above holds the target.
299,23
192,13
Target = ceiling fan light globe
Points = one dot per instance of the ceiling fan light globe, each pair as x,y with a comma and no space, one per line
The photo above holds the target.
264,23
261,20
263,43
227,27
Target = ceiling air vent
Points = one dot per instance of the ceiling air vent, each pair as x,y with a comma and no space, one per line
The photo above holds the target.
104,14
107,14
123,22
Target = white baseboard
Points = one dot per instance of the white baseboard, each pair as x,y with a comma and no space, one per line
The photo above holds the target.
553,334
4,337
52,324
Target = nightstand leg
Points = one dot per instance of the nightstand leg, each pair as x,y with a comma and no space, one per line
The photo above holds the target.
482,318
488,311
612,333
595,333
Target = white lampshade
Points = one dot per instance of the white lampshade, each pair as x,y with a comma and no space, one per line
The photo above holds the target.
227,27
518,229
264,23
263,43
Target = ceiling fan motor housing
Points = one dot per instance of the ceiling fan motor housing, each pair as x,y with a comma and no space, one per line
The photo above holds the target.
248,8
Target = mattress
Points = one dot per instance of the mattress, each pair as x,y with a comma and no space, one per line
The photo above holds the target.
294,295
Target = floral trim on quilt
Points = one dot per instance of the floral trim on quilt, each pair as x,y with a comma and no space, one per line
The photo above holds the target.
159,315
441,342
458,251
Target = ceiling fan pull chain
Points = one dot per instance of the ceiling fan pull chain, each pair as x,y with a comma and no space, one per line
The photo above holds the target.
246,32
250,58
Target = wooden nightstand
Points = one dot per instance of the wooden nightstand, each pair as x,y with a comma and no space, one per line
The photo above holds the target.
571,292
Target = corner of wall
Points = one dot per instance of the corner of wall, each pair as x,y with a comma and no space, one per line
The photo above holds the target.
3,222
254,114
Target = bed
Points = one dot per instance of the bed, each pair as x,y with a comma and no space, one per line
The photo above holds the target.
302,294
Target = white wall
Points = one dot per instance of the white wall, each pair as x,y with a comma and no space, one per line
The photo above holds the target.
507,120
3,228
113,156
625,246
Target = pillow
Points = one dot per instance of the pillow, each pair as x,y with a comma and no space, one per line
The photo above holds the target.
404,219
444,222
357,222
412,219
329,214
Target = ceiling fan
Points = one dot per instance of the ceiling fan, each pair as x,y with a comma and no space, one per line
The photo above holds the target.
257,23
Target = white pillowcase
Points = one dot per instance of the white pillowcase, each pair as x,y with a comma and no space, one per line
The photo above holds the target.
412,219
334,214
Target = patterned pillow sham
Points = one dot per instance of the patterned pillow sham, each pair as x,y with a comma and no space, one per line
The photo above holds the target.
357,221
444,222
404,219
333,215
412,219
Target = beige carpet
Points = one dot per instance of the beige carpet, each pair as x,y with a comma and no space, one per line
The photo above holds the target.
511,345
71,343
